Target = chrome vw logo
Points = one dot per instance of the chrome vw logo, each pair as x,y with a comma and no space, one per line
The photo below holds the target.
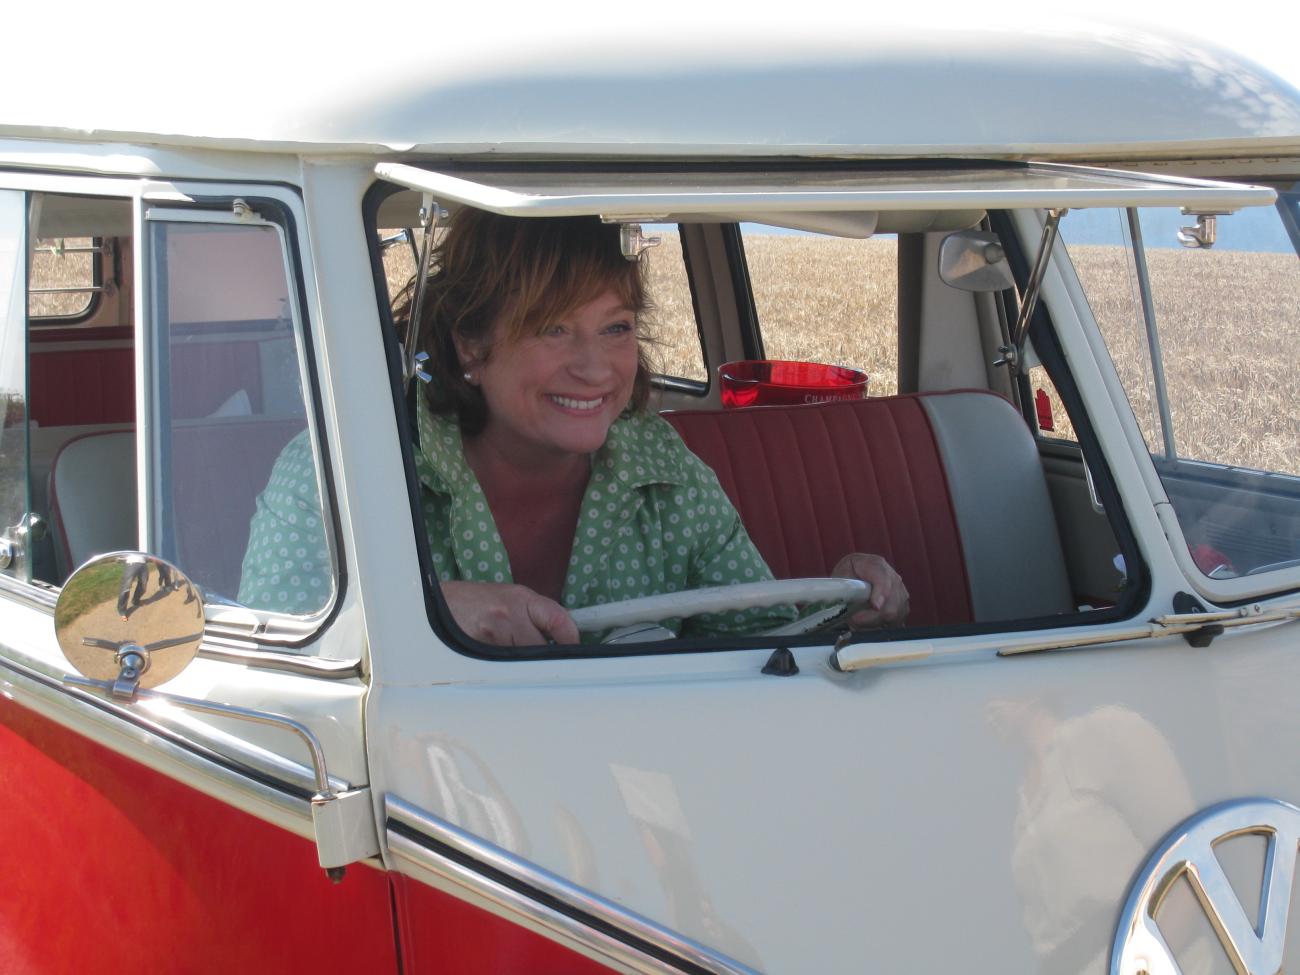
1189,851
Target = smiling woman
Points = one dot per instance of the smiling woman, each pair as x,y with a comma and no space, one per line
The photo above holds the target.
537,456
546,486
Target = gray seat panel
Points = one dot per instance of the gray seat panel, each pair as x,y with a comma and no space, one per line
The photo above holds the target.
1013,552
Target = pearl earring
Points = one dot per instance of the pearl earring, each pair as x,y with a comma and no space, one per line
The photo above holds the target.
469,376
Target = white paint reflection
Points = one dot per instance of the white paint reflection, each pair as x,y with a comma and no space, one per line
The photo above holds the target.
467,794
1099,791
654,806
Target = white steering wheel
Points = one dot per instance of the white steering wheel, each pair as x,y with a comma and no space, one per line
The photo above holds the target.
629,618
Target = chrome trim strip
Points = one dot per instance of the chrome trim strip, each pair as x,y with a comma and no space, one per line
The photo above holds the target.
545,899
130,733
32,595
215,647
285,662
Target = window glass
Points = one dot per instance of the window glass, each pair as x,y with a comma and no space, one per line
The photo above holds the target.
677,350
1100,248
1228,318
399,259
1213,376
64,276
1049,412
239,490
14,502
827,299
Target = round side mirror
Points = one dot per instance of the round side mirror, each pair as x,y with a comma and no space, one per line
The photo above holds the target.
129,616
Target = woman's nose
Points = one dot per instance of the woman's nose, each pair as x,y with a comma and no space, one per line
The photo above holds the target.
589,361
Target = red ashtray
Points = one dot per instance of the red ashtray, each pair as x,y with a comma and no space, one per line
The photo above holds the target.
777,382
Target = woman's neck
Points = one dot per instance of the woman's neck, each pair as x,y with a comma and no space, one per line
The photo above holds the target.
501,469
535,507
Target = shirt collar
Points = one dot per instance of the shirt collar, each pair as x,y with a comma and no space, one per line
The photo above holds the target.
636,453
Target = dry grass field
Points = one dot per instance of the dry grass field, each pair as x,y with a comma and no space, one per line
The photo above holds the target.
1230,344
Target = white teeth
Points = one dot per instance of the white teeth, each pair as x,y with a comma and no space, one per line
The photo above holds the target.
577,404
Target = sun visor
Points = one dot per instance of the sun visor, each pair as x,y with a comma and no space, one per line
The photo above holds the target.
850,202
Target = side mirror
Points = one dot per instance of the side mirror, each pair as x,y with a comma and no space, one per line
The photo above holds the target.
973,260
131,619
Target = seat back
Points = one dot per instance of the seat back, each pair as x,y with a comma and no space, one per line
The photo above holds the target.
219,467
946,486
92,497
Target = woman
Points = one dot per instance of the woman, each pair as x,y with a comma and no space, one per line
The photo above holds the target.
546,485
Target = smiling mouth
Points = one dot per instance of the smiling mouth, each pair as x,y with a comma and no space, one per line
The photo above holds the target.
576,404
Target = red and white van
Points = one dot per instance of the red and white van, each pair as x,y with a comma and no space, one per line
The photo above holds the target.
1067,263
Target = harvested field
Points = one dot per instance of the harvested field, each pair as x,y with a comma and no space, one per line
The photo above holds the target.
1229,337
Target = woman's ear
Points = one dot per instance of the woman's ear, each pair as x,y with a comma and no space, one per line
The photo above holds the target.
470,356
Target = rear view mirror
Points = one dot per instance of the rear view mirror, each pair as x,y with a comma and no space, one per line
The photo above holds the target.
973,260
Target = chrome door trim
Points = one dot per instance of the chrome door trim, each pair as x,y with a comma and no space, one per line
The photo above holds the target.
1253,949
421,842
215,646
131,733
303,665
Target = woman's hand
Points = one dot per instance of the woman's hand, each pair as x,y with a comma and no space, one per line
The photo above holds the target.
508,615
887,605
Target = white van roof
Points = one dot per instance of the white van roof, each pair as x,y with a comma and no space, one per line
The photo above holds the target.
637,85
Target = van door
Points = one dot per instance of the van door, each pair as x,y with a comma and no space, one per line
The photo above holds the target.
958,795
140,833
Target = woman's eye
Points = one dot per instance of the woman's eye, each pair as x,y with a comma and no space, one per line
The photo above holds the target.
619,328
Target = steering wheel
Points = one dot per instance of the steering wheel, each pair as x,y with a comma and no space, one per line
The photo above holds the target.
718,599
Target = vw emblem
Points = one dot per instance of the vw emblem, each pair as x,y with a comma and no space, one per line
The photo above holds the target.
1140,949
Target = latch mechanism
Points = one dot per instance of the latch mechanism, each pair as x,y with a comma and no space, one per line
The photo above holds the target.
1203,234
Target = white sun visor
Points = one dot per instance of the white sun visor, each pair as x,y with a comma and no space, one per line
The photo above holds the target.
833,199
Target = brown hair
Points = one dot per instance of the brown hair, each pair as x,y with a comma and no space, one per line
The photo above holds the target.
527,272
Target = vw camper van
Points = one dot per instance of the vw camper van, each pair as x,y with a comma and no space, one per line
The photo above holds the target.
1065,264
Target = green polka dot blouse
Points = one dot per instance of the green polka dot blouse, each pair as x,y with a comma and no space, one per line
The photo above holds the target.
653,520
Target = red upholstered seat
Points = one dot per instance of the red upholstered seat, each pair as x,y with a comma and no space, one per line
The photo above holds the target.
813,483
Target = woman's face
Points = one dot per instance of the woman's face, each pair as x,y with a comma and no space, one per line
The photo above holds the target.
557,393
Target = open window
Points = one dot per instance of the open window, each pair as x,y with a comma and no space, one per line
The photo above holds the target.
946,481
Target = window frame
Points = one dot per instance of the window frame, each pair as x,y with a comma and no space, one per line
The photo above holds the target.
1049,350
684,385
1232,591
448,634
96,291
279,207
279,634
